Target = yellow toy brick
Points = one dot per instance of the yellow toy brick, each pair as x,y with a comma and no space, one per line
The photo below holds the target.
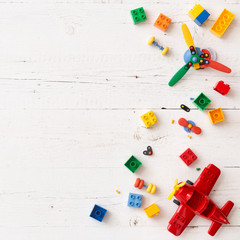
149,119
152,210
222,23
195,12
216,115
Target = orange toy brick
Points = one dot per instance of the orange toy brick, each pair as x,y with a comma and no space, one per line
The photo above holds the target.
216,115
162,22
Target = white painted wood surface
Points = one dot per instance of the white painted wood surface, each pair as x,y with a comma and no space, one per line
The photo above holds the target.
75,78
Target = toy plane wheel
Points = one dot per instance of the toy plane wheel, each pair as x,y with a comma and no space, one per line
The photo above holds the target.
176,202
189,182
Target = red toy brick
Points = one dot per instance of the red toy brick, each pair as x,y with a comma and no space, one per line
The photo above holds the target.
188,156
162,22
222,88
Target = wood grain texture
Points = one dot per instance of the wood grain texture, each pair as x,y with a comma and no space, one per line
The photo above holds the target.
75,78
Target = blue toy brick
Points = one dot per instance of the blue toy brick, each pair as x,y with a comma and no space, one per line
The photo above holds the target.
134,200
202,17
98,213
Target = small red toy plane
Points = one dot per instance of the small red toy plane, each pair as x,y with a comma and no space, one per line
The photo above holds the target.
193,200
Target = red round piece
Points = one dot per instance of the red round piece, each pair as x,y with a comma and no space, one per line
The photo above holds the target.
137,182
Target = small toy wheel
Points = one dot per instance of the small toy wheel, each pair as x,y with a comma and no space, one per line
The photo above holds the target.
154,188
151,40
176,202
149,187
137,183
164,50
189,182
141,184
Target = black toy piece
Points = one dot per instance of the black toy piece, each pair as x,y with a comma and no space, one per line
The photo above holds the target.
148,151
185,108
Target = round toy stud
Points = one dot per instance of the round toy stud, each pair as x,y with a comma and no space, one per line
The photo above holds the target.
194,59
152,41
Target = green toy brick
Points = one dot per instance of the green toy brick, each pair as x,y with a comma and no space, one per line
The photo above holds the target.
202,101
133,164
138,15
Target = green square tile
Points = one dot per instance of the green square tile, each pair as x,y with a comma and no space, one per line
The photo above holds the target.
133,164
202,101
138,15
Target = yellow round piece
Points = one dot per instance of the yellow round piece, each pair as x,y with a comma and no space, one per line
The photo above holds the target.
189,125
164,50
151,40
154,188
149,187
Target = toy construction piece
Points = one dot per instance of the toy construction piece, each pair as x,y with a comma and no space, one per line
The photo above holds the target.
151,188
196,59
176,187
189,126
185,108
152,41
148,152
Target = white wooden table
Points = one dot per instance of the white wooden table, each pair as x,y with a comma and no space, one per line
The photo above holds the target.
75,78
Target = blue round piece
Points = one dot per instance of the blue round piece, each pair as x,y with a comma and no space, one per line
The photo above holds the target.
187,54
188,129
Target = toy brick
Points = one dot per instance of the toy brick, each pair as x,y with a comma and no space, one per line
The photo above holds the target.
98,213
222,23
162,22
216,115
134,200
133,164
138,15
195,11
188,157
202,101
222,88
202,17
152,210
149,119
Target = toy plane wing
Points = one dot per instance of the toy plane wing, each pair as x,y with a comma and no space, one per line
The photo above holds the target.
207,179
182,217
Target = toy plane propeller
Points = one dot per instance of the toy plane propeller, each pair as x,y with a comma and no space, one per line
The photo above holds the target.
193,199
196,60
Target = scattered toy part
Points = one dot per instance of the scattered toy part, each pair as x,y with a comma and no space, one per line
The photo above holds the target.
149,119
176,187
172,121
222,88
98,213
222,23
138,15
198,14
139,183
185,108
189,136
216,115
189,126
148,152
133,164
188,157
191,98
198,169
152,210
194,200
152,41
117,191
202,101
162,22
135,200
